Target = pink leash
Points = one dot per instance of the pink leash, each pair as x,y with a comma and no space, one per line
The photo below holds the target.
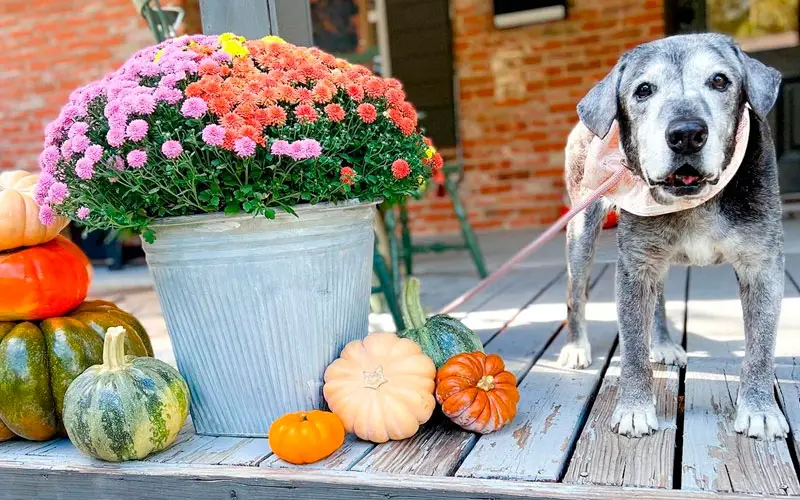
538,242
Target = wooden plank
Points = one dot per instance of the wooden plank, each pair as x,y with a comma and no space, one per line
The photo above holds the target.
250,452
145,480
716,458
553,404
603,456
440,447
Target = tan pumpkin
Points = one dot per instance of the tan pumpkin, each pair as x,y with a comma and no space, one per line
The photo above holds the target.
381,387
19,214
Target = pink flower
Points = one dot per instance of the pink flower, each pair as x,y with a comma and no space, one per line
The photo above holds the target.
84,168
78,128
194,107
94,153
367,112
83,213
116,136
49,159
144,104
244,147
119,163
214,135
46,215
57,193
66,149
79,143
168,95
137,130
305,149
42,187
172,149
400,169
281,147
137,158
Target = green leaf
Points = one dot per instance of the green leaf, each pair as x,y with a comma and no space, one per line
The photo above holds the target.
233,208
269,213
149,236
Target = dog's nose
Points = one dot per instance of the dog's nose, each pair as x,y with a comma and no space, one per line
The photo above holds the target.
687,136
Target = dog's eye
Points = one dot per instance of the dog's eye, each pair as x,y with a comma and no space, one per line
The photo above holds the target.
720,81
644,90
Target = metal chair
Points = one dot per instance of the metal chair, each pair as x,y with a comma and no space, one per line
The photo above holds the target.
163,21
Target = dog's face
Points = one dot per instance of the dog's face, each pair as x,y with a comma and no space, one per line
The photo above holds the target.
678,102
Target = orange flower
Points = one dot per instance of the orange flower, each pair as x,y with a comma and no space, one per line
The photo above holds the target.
194,89
395,97
334,112
367,112
375,87
304,96
356,92
276,116
219,105
305,113
347,176
400,169
322,92
231,121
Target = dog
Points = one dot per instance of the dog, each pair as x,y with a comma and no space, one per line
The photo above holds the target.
678,102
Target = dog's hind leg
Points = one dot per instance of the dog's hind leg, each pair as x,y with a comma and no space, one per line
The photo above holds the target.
662,348
582,233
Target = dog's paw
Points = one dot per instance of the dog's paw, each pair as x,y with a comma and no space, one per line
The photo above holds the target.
634,420
668,354
575,355
767,422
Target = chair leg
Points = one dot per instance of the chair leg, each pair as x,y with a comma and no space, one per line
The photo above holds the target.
408,249
466,228
379,266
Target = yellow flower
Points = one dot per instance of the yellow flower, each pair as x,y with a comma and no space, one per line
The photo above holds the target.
227,37
158,55
273,39
234,48
429,153
421,182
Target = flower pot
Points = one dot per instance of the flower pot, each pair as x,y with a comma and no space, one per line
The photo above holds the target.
256,309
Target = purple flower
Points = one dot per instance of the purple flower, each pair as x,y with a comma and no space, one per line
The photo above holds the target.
94,153
46,215
119,163
84,168
137,158
79,143
172,149
149,69
83,213
194,107
78,128
170,80
73,111
296,151
221,56
214,135
168,95
116,136
281,147
144,104
311,148
115,108
49,159
244,147
137,130
57,193
66,149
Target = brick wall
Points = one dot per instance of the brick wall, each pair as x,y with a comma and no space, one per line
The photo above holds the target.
517,97
47,49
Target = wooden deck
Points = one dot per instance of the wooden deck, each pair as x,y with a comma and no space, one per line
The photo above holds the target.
558,447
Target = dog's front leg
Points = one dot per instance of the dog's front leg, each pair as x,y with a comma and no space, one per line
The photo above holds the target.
637,292
761,290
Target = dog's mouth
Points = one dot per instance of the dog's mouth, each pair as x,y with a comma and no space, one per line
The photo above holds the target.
685,181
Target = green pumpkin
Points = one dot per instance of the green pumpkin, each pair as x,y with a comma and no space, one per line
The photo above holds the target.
126,408
441,336
38,361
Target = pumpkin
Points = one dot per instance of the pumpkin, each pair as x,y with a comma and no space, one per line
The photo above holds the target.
43,281
19,214
126,408
476,392
381,387
38,361
441,336
306,437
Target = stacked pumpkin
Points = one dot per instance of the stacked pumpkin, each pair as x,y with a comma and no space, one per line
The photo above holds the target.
386,386
50,337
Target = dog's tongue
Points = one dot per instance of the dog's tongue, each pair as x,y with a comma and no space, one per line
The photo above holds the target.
688,180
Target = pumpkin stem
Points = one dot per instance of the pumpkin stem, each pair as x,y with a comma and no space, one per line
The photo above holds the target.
413,314
486,383
373,380
114,348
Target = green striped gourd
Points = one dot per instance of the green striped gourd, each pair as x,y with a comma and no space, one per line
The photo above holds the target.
126,408
441,336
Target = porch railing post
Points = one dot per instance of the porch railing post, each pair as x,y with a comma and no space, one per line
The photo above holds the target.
288,19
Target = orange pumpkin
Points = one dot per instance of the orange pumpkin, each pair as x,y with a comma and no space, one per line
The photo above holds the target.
476,392
43,281
19,214
306,437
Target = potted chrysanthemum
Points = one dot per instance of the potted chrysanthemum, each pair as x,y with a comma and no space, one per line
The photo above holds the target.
251,169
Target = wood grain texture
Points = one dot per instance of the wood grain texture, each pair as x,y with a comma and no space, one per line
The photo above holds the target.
715,457
603,456
440,446
553,402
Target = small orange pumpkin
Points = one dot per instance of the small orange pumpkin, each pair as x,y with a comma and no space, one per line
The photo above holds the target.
306,437
19,214
476,392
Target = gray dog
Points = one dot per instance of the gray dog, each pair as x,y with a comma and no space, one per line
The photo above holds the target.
678,102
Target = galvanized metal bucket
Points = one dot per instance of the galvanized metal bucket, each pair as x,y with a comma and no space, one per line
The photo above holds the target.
256,309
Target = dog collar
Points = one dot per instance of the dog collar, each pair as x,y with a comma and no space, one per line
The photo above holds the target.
632,193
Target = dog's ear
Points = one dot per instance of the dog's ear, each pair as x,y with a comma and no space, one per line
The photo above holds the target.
761,84
598,109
